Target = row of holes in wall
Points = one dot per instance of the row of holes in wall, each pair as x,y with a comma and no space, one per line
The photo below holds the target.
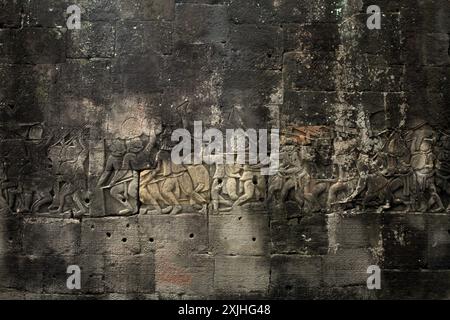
191,235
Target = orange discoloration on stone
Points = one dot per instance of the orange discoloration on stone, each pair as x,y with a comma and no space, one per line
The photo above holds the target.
170,273
306,134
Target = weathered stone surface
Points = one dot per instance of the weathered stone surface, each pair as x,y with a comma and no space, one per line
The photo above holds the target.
312,106
146,10
142,37
93,40
130,274
45,13
29,46
359,231
426,284
10,13
306,236
184,274
86,177
405,241
294,276
347,267
181,234
117,236
238,275
438,227
254,47
39,236
308,72
88,83
198,23
11,235
239,234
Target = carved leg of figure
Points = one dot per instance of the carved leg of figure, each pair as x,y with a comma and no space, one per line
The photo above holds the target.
55,201
155,203
66,190
249,192
3,203
271,193
288,186
215,194
300,198
12,197
151,195
79,203
168,187
435,199
335,189
316,192
131,199
120,193
275,185
231,187
44,197
27,202
117,192
187,187
133,189
261,187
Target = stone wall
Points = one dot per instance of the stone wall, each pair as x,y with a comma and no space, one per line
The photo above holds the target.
85,123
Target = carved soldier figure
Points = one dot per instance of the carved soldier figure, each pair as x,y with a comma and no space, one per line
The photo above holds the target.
68,159
113,166
252,185
423,164
125,182
345,146
35,179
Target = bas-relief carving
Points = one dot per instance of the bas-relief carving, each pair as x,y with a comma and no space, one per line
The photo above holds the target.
173,188
169,186
402,174
43,170
126,151
301,178
236,186
120,179
69,156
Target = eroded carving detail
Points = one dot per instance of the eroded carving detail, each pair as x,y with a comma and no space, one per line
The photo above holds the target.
44,171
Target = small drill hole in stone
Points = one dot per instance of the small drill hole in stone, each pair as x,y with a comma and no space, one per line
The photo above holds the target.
108,235
253,239
128,225
92,227
124,239
191,235
151,240
240,218
10,239
448,231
